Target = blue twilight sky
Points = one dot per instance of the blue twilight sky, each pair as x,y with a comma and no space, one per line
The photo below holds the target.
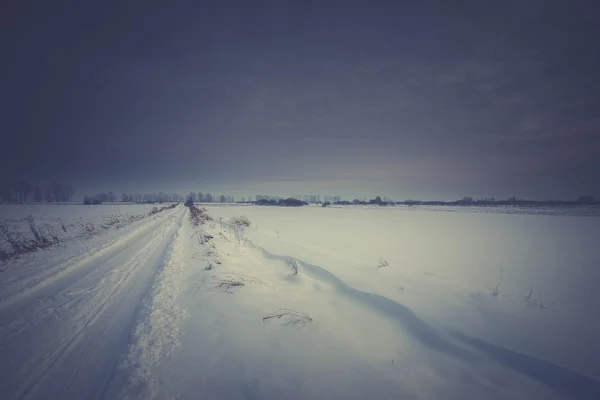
421,99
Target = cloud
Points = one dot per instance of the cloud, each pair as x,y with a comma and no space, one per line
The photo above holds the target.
534,129
431,97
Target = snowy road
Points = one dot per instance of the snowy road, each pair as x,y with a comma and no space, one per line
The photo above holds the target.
65,335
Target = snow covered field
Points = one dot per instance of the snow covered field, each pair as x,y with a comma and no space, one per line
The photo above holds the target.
62,223
75,217
305,303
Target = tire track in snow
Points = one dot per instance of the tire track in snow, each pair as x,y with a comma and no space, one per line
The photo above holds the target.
157,332
105,324
82,365
79,266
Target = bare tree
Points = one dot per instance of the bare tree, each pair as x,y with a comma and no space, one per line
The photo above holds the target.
69,191
48,194
37,194
24,191
5,191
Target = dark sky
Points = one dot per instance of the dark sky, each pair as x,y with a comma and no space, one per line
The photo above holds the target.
429,99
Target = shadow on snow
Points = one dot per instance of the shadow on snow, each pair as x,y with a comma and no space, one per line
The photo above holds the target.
557,378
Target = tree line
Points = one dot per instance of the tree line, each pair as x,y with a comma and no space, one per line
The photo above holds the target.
290,202
209,198
26,192
469,201
157,197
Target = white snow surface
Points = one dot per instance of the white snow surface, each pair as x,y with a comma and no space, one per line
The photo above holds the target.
307,303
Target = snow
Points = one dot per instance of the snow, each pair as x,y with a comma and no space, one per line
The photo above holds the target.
160,308
71,215
61,333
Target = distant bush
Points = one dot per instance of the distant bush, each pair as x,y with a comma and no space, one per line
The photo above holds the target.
326,204
292,203
265,202
283,202
90,201
376,200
